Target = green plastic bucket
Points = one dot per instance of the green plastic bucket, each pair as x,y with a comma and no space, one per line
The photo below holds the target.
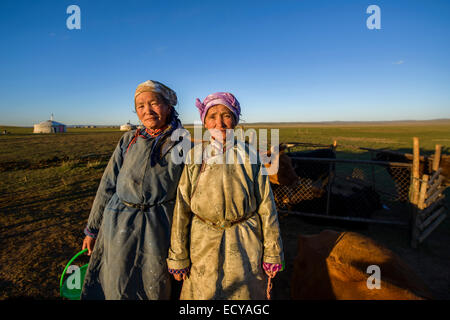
64,290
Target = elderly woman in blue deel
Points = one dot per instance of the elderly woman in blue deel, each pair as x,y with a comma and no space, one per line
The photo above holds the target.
130,220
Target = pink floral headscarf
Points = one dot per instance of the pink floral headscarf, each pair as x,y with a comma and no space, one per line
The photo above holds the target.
224,98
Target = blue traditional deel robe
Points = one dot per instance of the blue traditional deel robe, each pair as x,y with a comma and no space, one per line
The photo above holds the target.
129,257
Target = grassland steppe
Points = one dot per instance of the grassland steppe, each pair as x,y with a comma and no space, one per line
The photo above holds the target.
48,183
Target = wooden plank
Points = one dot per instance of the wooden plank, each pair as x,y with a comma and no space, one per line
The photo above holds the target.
434,176
306,144
346,218
415,172
431,218
329,189
432,227
408,156
435,186
423,192
437,157
434,196
386,163
414,230
428,210
414,193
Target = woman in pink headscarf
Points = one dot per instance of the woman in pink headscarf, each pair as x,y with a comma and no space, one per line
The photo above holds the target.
225,235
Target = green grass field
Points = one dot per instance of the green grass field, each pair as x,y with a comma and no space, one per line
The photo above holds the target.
23,145
48,183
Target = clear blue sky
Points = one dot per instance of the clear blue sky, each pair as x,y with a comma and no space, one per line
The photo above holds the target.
285,60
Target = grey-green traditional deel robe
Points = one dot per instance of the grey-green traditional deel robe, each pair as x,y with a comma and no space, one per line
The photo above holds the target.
225,263
129,256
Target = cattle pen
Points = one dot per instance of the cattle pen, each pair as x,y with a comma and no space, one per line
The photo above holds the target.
391,188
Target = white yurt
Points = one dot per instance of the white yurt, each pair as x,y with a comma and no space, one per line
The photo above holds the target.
127,126
49,126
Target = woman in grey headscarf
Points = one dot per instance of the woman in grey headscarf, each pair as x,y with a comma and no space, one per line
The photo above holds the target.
131,216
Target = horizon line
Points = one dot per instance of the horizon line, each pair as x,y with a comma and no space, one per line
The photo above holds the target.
268,122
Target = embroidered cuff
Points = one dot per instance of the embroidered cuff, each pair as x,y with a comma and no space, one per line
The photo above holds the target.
90,233
179,271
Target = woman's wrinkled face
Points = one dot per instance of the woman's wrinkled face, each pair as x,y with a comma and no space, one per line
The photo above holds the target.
220,118
152,110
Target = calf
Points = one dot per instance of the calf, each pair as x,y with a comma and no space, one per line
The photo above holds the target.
286,174
298,180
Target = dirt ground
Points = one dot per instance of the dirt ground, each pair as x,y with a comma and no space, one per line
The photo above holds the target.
45,203
430,261
34,253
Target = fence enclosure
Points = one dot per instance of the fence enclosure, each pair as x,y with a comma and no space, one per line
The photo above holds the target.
427,201
368,191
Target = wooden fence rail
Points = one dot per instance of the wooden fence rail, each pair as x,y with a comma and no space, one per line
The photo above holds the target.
426,198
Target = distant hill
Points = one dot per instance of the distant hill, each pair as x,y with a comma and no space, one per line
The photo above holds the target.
345,123
295,124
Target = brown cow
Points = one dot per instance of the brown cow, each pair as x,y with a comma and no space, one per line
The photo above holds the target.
286,174
333,265
288,188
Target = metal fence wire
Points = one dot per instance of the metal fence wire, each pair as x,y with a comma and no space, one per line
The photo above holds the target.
329,185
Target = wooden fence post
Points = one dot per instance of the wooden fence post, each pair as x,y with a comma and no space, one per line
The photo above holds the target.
415,171
423,193
331,174
427,210
437,157
414,193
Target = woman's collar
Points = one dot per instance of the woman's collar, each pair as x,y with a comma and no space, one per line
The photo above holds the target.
153,133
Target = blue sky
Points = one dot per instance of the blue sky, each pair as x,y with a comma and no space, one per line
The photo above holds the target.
285,60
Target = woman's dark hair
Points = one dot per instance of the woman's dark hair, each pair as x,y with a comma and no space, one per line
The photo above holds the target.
172,111
164,100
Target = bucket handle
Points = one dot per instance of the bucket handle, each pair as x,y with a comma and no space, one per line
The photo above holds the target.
67,266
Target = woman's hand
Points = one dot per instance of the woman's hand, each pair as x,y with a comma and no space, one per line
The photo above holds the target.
271,269
88,243
179,274
180,277
271,274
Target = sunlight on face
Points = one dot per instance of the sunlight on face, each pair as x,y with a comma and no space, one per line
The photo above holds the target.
151,110
220,118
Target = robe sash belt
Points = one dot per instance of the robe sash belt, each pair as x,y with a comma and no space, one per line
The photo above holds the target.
145,206
225,223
